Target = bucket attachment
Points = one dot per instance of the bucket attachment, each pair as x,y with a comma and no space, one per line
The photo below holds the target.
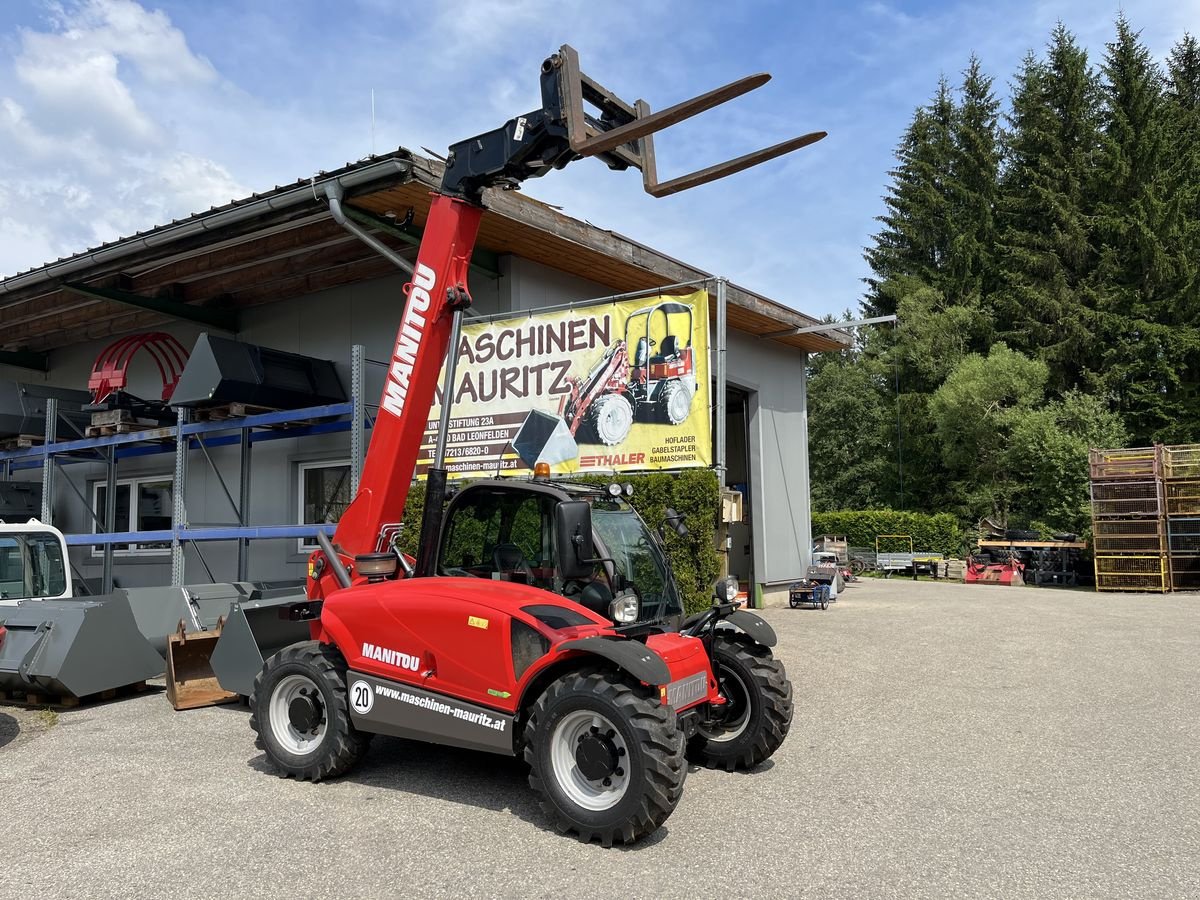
256,629
221,371
544,438
74,648
190,679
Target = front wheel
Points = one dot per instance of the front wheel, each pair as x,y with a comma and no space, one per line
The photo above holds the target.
611,418
758,713
605,758
299,712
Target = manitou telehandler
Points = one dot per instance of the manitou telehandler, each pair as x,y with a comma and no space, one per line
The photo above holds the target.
538,619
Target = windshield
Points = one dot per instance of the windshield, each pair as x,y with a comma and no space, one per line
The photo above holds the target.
637,556
31,565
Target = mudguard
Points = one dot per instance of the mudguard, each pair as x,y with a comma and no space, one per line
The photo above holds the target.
755,626
632,656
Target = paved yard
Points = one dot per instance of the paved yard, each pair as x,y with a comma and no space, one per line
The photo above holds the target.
948,741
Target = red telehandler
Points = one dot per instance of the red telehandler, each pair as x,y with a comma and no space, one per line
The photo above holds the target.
537,619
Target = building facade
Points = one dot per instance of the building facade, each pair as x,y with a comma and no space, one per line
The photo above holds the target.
278,271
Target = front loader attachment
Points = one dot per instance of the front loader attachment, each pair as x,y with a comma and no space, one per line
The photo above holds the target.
74,648
258,627
191,682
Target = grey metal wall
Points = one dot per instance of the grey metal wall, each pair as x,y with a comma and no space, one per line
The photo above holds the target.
778,454
326,325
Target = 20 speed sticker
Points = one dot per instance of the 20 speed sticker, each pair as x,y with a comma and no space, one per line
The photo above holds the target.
362,698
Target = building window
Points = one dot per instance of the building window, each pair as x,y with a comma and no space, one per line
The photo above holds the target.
324,495
143,504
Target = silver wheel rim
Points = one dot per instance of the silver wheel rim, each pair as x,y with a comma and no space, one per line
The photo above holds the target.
679,404
582,791
614,419
732,731
293,741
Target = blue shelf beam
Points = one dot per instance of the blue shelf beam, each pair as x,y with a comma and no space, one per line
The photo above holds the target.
232,533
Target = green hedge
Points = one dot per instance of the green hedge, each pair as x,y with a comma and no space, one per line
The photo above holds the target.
693,492
938,533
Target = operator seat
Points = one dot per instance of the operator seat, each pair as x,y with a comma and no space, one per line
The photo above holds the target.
668,350
510,559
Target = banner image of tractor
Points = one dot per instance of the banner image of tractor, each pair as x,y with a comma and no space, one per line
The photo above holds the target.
616,386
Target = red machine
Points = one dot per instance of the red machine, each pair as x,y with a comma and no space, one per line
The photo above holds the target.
657,387
1011,572
537,619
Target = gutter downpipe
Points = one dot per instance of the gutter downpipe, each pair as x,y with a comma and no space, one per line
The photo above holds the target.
293,197
334,194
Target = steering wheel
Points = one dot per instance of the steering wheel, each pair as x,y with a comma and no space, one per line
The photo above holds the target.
511,558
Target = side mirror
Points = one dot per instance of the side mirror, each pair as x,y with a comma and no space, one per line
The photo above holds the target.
573,533
675,520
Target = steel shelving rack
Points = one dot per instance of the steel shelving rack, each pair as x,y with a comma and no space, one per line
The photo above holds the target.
180,440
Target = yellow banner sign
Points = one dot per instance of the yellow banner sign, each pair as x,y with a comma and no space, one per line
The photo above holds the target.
608,387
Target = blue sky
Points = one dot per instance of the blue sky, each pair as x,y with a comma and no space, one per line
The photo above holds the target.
118,115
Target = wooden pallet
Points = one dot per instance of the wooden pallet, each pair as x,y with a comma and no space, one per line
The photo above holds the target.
41,698
129,428
231,411
22,441
121,421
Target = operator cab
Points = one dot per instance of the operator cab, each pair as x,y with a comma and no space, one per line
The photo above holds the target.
32,565
505,531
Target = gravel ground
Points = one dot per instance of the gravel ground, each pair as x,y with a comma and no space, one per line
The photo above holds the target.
948,741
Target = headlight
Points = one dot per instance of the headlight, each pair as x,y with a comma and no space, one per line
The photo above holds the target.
726,589
624,609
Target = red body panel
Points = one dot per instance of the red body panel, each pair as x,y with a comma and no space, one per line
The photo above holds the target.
452,635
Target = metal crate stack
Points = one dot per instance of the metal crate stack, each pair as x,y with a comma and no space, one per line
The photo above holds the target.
1180,466
1128,525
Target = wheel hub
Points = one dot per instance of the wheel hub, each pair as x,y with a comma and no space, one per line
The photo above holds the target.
304,712
596,756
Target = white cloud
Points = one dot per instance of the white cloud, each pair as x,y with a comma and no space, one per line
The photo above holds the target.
90,155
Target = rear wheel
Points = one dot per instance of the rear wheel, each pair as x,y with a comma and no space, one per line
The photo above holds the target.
758,713
605,759
611,418
675,403
299,712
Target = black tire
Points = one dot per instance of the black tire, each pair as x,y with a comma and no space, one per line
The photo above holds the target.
824,604
336,743
760,700
646,743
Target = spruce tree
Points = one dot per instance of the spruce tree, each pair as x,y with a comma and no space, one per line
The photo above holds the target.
1135,281
916,232
1046,254
1183,184
970,270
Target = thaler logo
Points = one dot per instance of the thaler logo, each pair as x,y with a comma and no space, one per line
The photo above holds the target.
391,657
412,328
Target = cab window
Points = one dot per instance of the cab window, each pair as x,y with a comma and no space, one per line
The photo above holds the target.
503,535
31,565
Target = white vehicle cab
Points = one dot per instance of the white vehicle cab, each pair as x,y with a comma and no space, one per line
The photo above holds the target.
33,563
